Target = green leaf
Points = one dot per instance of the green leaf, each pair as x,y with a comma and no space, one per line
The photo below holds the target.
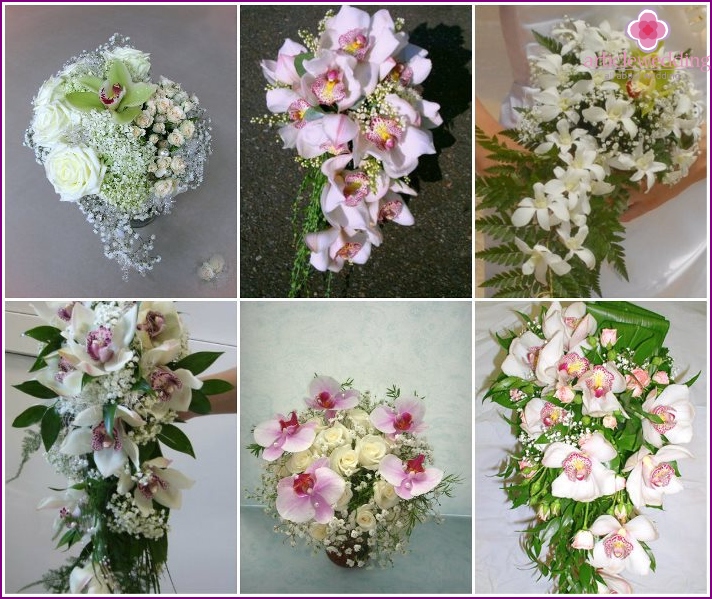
137,94
171,436
216,386
312,114
299,62
45,334
198,361
50,426
84,100
141,385
199,403
109,417
693,379
51,347
36,389
30,416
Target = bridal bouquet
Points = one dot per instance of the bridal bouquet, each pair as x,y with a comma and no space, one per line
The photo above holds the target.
349,474
601,424
347,101
113,378
605,118
119,145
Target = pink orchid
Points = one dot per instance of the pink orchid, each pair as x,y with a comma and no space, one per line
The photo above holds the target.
283,70
350,187
411,478
405,417
540,415
331,80
533,357
619,549
651,476
284,434
584,477
599,386
574,322
333,248
311,494
326,394
674,408
391,208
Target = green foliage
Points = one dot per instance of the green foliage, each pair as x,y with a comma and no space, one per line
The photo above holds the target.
215,387
176,439
197,362
36,389
199,402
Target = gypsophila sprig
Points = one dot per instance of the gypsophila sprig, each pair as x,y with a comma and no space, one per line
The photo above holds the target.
119,145
604,119
600,424
113,377
349,475
347,101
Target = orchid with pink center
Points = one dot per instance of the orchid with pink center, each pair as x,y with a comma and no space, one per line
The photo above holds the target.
620,548
61,376
311,494
111,450
392,208
405,417
584,477
157,323
283,70
284,434
573,321
331,80
410,478
333,248
599,387
540,415
326,394
412,66
98,350
155,481
673,406
173,388
531,357
613,584
56,314
652,476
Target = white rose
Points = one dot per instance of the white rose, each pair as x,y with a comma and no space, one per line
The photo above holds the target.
178,165
384,494
144,120
75,171
365,518
188,106
334,436
136,62
159,127
344,460
164,188
175,114
51,122
162,105
343,502
187,128
175,138
361,418
50,91
299,462
318,531
371,450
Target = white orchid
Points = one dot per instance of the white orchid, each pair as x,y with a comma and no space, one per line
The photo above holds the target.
644,165
531,357
584,477
553,102
155,481
88,579
564,138
548,211
673,406
575,244
618,112
620,548
574,322
599,387
651,476
541,259
110,449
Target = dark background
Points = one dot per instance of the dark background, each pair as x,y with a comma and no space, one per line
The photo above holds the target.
432,258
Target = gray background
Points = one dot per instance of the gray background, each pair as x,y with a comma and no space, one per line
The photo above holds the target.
432,258
50,250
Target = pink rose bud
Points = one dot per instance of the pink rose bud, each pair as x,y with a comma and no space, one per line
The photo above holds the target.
565,394
661,377
527,468
609,337
637,381
621,513
609,421
583,539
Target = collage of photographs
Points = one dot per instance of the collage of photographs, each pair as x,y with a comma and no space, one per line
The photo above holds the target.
459,348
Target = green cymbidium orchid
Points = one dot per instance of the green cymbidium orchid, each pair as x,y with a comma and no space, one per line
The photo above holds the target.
119,94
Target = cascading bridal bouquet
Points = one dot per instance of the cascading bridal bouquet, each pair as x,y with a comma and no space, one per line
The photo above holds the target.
349,474
347,100
119,145
113,378
605,119
601,424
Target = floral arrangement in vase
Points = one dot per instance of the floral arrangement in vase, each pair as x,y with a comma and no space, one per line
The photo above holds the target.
605,118
601,425
347,100
114,378
349,474
119,145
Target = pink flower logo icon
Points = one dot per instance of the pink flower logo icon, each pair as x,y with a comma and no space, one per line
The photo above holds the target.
648,30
